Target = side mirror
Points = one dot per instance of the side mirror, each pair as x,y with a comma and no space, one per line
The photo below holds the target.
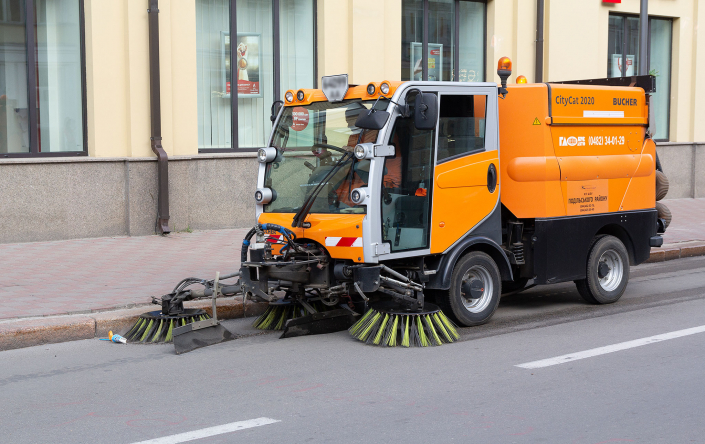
425,111
275,110
372,120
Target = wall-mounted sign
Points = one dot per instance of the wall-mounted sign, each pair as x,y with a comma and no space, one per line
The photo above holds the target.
247,70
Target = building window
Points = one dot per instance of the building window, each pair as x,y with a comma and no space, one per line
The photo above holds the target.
443,40
273,49
42,109
623,60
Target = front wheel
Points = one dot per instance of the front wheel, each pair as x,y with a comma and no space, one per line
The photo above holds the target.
475,289
607,272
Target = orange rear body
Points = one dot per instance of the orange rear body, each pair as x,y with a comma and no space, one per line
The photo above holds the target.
569,150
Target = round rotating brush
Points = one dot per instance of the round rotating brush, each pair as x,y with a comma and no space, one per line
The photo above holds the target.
154,327
386,325
278,312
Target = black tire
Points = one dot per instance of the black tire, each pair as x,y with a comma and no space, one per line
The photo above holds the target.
605,284
475,266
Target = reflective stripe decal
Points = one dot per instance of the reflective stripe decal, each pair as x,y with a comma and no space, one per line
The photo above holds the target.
273,238
343,242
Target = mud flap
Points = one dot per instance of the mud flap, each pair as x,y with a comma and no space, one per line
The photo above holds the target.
319,323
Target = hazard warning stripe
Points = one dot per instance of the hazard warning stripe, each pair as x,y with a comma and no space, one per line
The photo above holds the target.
274,239
343,242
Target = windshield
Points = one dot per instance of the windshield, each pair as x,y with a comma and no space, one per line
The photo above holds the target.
310,141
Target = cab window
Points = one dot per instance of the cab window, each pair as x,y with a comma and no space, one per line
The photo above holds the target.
406,187
461,125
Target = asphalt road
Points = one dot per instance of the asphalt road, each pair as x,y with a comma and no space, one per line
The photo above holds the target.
331,388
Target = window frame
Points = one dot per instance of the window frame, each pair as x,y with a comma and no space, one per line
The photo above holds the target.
456,39
33,126
276,78
648,58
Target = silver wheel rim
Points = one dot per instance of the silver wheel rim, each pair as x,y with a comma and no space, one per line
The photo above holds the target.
482,274
614,276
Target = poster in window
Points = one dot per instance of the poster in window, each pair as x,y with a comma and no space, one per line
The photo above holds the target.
247,69
248,65
618,66
435,61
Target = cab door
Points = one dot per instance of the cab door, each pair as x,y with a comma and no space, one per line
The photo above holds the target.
466,176
406,189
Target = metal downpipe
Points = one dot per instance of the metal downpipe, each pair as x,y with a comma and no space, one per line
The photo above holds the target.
162,223
643,38
538,74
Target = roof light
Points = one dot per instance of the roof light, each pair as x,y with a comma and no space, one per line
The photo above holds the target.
300,96
289,96
504,64
384,88
371,89
521,79
504,70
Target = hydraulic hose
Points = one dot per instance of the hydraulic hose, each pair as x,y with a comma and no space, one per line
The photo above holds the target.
288,234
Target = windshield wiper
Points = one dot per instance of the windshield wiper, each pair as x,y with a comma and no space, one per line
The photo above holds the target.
308,203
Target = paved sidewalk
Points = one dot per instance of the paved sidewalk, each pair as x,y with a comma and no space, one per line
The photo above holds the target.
90,275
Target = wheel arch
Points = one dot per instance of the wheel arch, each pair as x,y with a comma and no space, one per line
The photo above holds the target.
621,234
444,270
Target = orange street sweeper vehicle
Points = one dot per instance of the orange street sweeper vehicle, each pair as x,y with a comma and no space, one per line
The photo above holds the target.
404,209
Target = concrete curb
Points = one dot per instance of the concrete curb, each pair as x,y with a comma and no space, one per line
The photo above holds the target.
679,250
27,332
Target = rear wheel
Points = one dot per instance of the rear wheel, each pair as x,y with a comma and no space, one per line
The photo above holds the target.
475,288
607,272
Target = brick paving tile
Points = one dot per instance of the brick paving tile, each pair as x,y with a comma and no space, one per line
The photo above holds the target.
49,278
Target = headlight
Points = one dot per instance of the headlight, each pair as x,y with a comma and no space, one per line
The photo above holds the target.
360,151
370,89
264,196
265,155
300,96
358,196
289,96
384,88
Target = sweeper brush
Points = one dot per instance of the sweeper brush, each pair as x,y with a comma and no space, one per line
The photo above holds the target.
278,312
387,325
155,327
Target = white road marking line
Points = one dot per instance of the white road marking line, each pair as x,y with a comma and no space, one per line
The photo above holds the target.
210,431
611,348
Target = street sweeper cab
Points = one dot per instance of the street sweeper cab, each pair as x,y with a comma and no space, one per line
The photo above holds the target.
410,201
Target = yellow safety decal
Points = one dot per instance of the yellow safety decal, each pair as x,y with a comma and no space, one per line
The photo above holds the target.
536,121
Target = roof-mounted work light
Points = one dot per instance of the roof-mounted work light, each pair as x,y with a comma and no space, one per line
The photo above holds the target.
504,70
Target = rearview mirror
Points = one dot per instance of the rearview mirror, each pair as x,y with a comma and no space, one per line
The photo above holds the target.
425,111
372,120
